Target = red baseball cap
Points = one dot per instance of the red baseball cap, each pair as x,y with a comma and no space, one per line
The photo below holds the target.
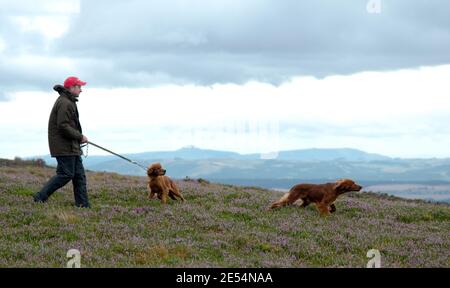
72,81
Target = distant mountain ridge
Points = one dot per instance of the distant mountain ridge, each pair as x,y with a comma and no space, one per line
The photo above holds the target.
316,154
299,164
194,153
188,152
313,154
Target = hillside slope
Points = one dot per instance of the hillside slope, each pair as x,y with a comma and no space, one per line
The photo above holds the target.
218,226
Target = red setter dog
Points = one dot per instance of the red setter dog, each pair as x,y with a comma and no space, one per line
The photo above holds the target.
161,185
323,195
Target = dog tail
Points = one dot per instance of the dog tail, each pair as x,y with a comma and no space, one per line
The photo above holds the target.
282,202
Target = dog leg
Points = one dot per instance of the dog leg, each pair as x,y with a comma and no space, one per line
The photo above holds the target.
171,195
164,195
177,193
181,197
323,209
151,194
305,203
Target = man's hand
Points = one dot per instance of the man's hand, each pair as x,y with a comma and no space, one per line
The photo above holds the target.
84,139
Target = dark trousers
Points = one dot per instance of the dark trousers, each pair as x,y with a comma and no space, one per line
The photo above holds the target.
69,168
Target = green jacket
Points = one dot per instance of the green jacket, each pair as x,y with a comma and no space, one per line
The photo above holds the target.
64,129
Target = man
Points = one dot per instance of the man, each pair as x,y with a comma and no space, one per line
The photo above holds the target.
64,138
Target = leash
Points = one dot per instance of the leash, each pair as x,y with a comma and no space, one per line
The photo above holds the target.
109,151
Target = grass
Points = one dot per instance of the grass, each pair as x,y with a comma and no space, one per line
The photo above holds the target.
218,226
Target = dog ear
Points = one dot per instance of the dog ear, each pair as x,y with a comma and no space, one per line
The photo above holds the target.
340,185
149,170
344,185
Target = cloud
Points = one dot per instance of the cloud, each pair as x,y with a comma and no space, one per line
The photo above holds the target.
31,7
4,96
207,42
149,43
399,113
27,32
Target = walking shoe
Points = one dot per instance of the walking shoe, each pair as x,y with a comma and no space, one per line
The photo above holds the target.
38,199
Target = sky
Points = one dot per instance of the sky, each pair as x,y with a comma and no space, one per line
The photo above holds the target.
254,76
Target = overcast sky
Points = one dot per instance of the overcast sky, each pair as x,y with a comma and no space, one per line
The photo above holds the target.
246,76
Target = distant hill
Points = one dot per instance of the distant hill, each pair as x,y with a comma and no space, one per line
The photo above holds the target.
306,164
194,153
218,226
315,154
189,152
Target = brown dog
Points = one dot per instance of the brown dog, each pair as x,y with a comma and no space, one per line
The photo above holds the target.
161,185
323,195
